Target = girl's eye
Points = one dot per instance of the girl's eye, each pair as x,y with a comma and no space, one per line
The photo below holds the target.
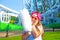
35,18
32,17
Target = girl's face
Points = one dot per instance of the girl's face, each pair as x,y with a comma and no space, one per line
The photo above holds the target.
34,20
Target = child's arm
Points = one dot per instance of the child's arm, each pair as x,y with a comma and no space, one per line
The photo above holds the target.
41,30
35,31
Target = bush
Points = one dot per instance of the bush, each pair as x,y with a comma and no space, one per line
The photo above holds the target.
55,25
5,26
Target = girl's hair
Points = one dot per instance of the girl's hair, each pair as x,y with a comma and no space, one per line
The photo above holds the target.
39,23
42,31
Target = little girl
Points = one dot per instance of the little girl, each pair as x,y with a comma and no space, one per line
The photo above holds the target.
37,28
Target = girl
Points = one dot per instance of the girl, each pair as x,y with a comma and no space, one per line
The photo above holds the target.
37,28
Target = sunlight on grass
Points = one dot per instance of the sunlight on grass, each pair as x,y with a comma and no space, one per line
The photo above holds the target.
12,38
52,35
47,36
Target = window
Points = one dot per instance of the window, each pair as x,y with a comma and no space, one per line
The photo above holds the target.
5,17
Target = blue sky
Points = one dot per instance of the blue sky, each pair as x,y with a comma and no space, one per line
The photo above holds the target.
13,4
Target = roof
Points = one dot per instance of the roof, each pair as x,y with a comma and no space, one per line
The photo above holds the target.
2,6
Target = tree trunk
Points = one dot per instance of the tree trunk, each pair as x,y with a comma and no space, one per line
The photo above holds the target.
7,30
53,29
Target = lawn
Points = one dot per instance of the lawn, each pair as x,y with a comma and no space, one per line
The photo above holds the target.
52,35
47,36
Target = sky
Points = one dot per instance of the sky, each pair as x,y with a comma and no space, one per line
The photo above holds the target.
13,4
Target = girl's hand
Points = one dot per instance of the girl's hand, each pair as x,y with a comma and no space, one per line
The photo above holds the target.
26,35
34,24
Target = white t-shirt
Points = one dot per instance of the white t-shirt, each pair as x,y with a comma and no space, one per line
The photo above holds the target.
31,37
26,20
40,36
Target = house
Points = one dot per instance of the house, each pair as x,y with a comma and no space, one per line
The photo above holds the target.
50,17
6,13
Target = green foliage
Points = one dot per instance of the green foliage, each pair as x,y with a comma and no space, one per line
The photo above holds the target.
12,17
5,26
14,20
58,15
55,25
15,27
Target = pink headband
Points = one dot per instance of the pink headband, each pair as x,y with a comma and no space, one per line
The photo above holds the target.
37,14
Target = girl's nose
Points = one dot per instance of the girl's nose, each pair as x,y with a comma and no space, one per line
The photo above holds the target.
33,19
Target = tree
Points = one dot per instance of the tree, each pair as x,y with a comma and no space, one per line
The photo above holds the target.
53,25
41,5
7,29
36,5
58,14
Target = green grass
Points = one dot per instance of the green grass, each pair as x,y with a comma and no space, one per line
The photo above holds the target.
52,35
12,38
47,36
